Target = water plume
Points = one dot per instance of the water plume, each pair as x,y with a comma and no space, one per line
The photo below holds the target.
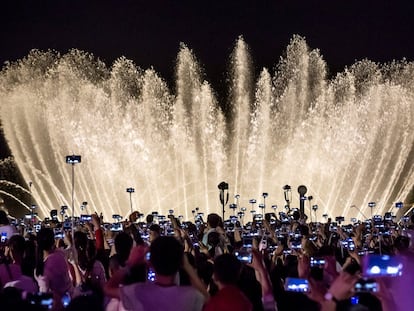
349,139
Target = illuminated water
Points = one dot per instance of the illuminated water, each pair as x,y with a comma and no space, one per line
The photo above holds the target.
349,139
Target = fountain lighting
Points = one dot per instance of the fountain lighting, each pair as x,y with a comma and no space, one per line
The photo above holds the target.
349,139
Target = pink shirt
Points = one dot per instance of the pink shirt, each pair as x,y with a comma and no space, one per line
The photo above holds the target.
15,274
57,273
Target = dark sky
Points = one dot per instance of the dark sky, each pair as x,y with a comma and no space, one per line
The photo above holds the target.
149,32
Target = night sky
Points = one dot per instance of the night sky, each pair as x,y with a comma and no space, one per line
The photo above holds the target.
149,32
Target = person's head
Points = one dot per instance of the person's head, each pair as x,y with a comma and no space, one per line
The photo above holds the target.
213,239
16,246
4,220
123,244
226,269
213,220
45,243
45,239
86,250
80,240
166,255
154,232
149,218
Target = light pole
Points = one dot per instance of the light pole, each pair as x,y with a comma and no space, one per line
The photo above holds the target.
130,190
310,198
302,191
73,160
223,186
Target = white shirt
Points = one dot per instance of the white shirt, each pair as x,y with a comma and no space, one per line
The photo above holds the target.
153,297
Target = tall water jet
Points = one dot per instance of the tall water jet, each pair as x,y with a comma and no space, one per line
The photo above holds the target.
348,139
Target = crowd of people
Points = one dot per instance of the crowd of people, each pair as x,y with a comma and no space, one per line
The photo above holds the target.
274,262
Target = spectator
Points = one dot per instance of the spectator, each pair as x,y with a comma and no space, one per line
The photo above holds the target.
164,293
6,229
52,274
226,274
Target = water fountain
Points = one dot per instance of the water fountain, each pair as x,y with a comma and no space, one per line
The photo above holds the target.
349,139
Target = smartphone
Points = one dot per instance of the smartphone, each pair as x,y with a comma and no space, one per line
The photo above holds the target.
296,244
66,300
43,300
297,285
3,237
354,300
85,217
317,262
73,159
366,286
37,227
244,254
351,245
116,227
382,265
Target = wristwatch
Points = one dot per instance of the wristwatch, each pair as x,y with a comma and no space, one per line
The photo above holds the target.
329,297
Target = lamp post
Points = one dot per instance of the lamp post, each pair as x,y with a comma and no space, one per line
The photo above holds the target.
130,190
73,160
302,191
223,186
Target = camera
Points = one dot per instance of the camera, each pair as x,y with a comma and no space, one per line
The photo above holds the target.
297,285
73,159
